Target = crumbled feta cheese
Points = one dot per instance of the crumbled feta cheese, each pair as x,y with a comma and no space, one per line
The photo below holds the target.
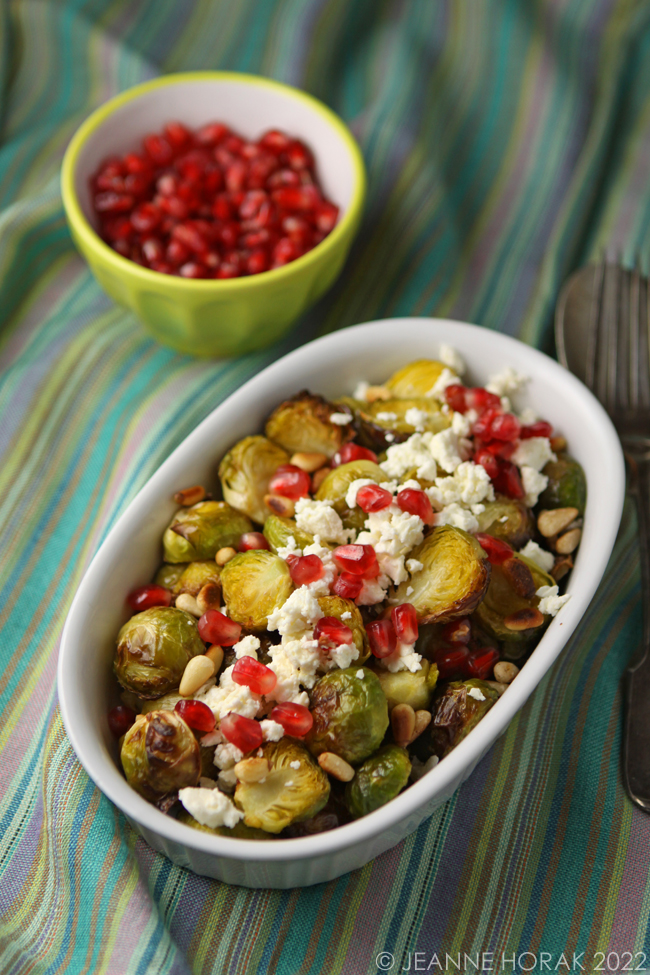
410,590
444,450
386,416
361,390
347,615
457,516
300,612
319,518
271,730
210,807
446,378
340,419
392,531
527,417
212,738
550,603
460,425
470,484
534,452
353,490
227,755
413,454
295,764
506,382
533,483
227,780
416,418
360,673
403,658
289,678
449,356
371,593
506,405
322,586
545,560
228,696
413,565
291,548
476,693
341,656
247,647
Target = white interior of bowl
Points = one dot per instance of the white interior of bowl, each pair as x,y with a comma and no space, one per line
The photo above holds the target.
247,107
331,365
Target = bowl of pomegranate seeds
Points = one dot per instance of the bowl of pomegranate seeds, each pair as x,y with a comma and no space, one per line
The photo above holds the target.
324,608
217,206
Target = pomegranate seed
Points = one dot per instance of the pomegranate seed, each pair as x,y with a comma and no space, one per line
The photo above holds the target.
416,503
120,719
144,597
176,252
487,460
252,540
192,270
483,426
214,627
188,234
285,251
227,270
152,250
283,177
451,661
174,206
134,163
137,184
296,197
119,229
259,171
292,484
158,149
298,155
296,719
250,205
244,733
251,673
481,663
330,631
505,427
235,176
210,134
275,140
257,261
499,448
348,586
360,560
113,202
177,135
539,429
497,551
382,637
371,497
325,216
405,621
196,714
306,569
508,481
298,230
459,631
350,452
480,400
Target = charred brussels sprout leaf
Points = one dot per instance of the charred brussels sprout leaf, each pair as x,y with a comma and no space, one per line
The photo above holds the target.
335,487
287,795
453,579
350,715
153,649
278,531
416,379
509,520
238,832
303,424
255,583
375,420
511,590
456,712
245,473
337,606
168,576
407,688
378,780
567,486
160,755
199,532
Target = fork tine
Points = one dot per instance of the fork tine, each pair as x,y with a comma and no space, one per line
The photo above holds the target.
595,313
606,357
643,357
637,315
618,357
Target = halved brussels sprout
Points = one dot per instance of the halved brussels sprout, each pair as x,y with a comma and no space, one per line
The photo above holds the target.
507,519
288,794
303,424
168,575
335,487
567,485
416,379
337,606
153,649
196,575
455,713
255,583
350,715
407,688
165,703
453,579
512,588
378,780
199,532
245,473
277,532
238,832
375,420
160,755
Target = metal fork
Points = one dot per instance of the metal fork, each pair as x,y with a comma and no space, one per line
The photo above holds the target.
601,328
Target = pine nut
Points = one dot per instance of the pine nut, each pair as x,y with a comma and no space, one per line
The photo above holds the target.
505,672
278,505
225,555
374,393
524,619
422,722
336,766
318,478
252,769
215,654
189,604
558,444
552,522
497,685
402,719
198,670
561,567
189,496
209,597
568,542
308,462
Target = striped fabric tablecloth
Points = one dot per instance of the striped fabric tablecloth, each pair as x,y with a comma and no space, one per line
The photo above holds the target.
506,142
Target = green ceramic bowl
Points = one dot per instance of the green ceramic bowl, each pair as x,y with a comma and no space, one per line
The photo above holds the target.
210,317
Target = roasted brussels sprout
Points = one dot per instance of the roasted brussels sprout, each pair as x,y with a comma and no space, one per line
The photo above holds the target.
238,832
407,688
337,606
153,649
165,703
507,519
196,575
392,417
415,379
459,708
255,583
245,473
350,715
378,780
303,424
168,575
512,590
199,532
335,487
160,755
277,532
288,794
567,486
453,579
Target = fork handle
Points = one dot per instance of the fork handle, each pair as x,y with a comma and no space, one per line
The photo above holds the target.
636,742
